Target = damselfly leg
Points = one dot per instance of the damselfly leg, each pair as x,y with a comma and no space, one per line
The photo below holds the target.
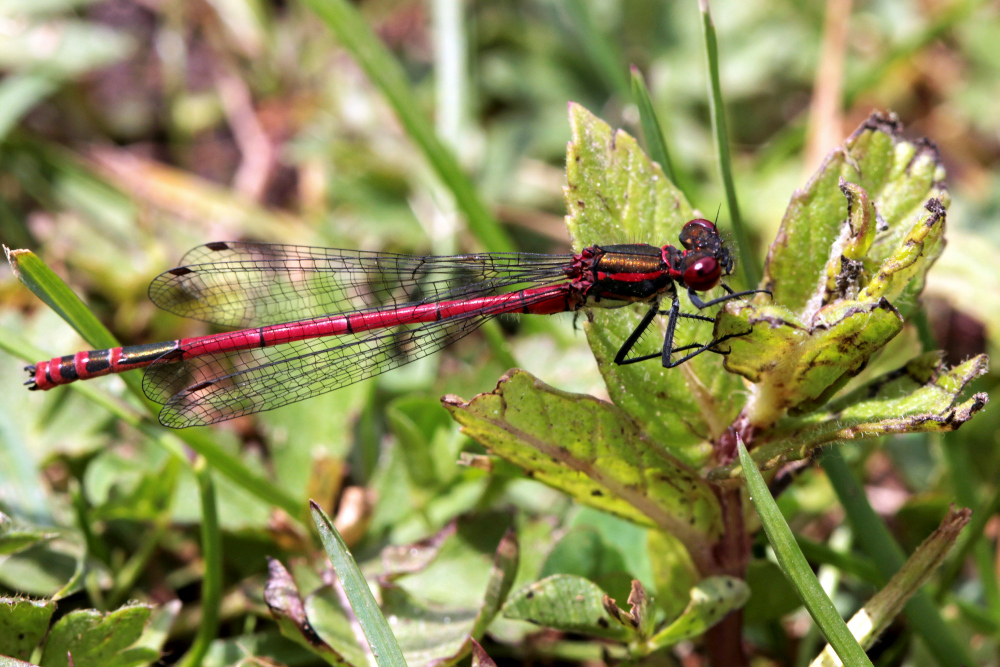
674,314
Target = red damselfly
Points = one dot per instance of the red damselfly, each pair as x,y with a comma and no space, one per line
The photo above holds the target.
316,319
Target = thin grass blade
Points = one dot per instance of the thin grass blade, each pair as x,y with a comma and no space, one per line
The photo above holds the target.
387,74
656,145
874,537
751,268
383,643
211,553
797,569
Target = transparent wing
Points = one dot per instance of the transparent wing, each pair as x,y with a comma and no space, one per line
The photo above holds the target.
215,387
254,284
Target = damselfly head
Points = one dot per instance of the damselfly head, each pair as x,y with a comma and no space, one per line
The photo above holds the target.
706,258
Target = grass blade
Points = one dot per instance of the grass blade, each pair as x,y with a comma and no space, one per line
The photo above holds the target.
873,536
751,269
797,569
57,295
385,72
383,643
656,145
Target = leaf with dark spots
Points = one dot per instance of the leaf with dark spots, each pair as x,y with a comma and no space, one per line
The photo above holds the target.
894,403
711,600
796,364
592,446
569,603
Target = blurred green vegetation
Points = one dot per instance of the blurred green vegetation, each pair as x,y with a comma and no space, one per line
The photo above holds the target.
130,132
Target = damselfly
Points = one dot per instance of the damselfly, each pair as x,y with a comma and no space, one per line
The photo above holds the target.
316,319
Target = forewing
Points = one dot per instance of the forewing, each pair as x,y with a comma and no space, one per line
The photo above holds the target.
256,284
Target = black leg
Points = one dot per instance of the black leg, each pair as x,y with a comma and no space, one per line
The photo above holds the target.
707,347
674,314
668,339
698,303
690,316
635,335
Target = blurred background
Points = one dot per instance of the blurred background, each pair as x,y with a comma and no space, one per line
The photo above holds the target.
133,130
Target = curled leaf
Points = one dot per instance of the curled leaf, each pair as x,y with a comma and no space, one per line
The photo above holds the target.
848,263
923,396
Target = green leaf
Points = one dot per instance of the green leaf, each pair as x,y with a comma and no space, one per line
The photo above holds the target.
380,638
271,645
673,572
593,451
99,640
710,601
797,569
23,623
614,193
425,437
800,364
899,178
585,553
160,623
14,539
42,569
773,596
923,396
567,603
848,263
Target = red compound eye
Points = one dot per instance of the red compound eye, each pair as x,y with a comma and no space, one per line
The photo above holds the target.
702,274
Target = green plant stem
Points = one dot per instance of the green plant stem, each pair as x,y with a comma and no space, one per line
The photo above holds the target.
873,536
751,271
797,569
386,73
211,583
